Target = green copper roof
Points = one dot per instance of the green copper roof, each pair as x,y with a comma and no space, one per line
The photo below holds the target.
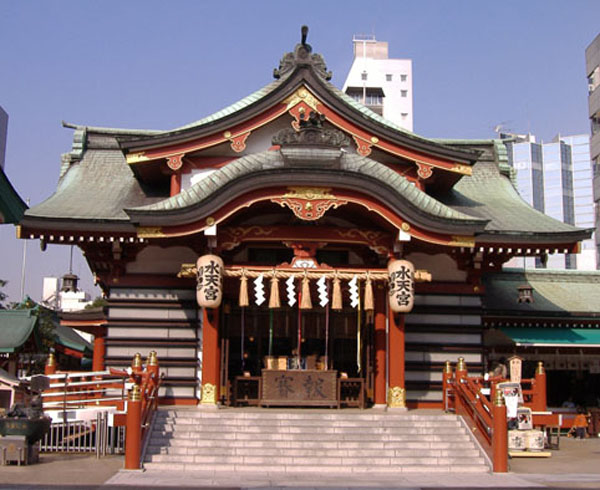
272,161
490,194
68,337
12,206
240,105
550,337
96,188
16,326
555,293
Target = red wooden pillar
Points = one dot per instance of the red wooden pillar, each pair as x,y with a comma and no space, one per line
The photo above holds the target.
210,357
397,391
380,341
539,389
461,373
446,386
99,352
175,184
133,429
499,434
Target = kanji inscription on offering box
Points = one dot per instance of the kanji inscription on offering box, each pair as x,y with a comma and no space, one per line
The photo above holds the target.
299,387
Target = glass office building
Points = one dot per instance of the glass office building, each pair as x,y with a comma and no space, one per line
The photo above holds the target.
556,179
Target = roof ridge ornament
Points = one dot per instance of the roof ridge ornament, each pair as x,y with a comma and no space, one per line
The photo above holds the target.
302,57
311,133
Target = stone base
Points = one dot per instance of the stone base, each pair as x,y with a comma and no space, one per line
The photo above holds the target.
397,409
208,406
382,407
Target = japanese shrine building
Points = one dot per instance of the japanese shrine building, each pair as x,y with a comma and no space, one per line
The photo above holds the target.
294,183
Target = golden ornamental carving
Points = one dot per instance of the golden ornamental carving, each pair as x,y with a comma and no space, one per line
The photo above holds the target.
377,241
462,241
405,226
175,162
363,148
309,193
397,397
309,203
187,271
137,157
302,95
232,237
150,232
462,169
209,394
424,171
422,276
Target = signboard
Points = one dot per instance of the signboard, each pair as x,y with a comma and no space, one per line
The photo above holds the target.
308,387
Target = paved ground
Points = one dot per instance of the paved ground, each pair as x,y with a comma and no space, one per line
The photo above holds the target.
575,465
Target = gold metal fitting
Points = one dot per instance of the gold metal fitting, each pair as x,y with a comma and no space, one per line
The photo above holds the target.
448,367
540,368
51,361
499,399
137,360
461,365
152,358
135,395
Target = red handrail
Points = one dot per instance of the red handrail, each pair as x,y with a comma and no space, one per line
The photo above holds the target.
486,419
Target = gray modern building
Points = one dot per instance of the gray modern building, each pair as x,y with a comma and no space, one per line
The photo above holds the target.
3,134
592,62
555,178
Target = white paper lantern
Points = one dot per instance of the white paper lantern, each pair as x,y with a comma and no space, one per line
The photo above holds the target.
401,285
209,288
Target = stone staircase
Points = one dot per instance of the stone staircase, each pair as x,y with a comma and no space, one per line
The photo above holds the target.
316,441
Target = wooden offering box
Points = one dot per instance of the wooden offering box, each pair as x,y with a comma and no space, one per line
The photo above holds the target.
309,387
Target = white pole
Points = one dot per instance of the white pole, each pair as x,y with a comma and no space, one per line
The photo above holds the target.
23,266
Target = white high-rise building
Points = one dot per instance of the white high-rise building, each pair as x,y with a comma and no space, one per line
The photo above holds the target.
384,85
592,64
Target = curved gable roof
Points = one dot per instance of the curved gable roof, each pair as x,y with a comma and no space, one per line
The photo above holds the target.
268,169
296,69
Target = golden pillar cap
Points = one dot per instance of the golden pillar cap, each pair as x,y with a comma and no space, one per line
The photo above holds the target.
152,358
462,365
448,367
540,368
499,399
137,360
51,361
135,395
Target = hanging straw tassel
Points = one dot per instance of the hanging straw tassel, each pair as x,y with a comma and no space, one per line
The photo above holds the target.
244,290
369,304
336,302
306,303
274,296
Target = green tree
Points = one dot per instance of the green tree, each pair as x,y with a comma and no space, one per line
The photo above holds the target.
98,302
2,294
45,334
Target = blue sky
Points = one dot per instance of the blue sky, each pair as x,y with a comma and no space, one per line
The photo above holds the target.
158,65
